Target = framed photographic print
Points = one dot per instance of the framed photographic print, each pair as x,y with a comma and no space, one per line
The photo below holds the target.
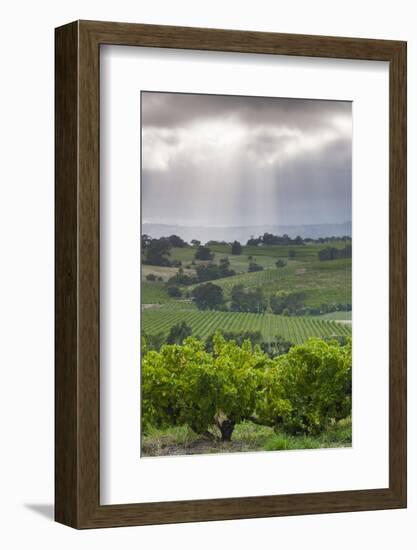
230,274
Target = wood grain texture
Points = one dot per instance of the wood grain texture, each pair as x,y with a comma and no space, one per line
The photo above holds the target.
66,238
78,284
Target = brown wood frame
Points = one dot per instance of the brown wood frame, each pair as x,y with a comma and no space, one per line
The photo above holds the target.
77,472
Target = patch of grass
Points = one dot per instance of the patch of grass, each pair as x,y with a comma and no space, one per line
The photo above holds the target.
321,282
154,293
284,442
161,271
339,435
253,435
157,442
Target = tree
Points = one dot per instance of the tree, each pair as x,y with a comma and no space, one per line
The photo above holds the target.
203,253
152,342
213,271
332,253
286,303
181,278
247,300
157,251
280,263
236,248
174,292
224,268
254,241
253,266
179,333
208,296
195,243
176,241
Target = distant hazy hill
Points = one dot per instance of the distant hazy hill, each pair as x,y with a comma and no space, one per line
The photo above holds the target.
242,234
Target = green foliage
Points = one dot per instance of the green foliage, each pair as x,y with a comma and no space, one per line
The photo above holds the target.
236,248
255,337
276,346
208,296
290,302
213,271
152,342
174,291
302,392
179,333
203,253
177,242
187,385
181,278
308,388
293,329
280,263
333,253
156,251
253,267
248,300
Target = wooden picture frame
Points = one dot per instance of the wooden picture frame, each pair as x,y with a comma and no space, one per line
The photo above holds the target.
77,382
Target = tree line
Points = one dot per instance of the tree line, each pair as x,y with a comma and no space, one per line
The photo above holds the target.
209,296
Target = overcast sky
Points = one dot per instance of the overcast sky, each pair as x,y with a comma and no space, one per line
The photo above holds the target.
234,161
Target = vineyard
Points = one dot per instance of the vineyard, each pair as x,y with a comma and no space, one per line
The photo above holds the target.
258,278
204,323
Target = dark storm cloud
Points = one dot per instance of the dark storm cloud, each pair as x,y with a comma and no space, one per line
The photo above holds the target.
226,160
167,110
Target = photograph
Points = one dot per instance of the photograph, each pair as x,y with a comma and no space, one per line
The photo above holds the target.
246,273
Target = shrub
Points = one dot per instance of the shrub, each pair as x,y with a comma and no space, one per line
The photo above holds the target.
174,292
308,388
208,296
285,303
179,333
187,385
247,300
302,392
203,253
236,248
253,266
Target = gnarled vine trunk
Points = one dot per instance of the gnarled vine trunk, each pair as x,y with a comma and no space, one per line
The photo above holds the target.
225,426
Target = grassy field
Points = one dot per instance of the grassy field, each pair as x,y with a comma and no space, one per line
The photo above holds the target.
204,323
247,436
263,255
164,272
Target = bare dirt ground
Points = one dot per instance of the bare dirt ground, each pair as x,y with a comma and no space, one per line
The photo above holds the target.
197,447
